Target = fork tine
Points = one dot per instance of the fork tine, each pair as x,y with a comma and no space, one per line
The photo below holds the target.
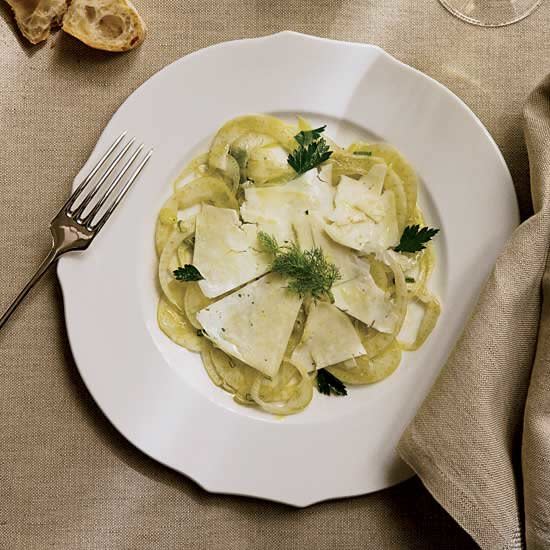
121,194
89,218
82,206
93,172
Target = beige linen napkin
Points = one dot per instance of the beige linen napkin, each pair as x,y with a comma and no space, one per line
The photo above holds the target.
481,440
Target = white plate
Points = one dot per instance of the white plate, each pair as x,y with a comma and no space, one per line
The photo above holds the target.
156,393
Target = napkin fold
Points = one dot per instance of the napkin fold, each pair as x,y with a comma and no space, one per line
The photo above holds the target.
481,440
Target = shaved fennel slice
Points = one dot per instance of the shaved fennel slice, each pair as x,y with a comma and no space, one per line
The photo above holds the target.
193,302
370,370
297,401
177,327
280,131
431,312
169,261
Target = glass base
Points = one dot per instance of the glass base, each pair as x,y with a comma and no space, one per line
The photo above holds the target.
491,13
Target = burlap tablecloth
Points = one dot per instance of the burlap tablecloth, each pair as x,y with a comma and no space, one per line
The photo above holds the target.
68,480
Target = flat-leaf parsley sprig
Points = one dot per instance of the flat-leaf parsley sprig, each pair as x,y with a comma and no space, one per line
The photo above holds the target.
414,238
308,271
327,383
312,150
187,273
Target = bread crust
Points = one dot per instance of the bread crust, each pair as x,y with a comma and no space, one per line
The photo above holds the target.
111,25
36,18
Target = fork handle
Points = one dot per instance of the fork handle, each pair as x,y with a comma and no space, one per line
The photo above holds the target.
49,260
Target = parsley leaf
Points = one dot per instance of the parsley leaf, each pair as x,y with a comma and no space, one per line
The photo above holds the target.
312,150
363,153
187,273
327,383
308,271
305,137
415,238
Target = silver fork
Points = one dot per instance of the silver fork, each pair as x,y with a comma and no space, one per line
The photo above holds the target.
78,222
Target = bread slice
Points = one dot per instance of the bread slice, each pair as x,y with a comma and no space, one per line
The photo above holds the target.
112,25
36,18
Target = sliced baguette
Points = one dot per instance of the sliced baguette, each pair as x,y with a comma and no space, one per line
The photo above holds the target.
36,18
112,25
